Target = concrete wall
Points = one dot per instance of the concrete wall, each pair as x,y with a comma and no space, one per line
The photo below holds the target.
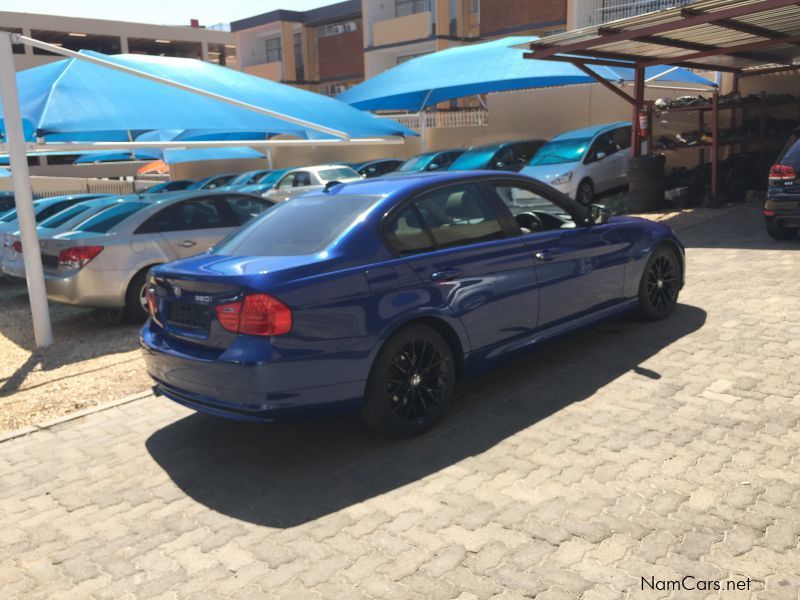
402,29
206,168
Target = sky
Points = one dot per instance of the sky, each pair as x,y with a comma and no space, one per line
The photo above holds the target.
161,12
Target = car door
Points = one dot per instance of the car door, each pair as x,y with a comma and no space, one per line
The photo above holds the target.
193,226
622,139
579,268
283,188
603,162
457,242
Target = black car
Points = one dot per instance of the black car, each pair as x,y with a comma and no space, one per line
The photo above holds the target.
440,160
782,207
376,168
505,156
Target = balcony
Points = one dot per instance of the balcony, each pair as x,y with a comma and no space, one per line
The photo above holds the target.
597,12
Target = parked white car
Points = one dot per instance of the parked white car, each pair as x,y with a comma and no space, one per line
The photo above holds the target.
307,179
584,162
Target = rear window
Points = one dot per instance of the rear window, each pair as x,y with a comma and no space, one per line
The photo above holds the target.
473,159
65,215
12,214
103,221
304,225
338,173
791,151
415,163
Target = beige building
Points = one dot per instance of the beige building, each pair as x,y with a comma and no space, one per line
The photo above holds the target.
319,49
116,37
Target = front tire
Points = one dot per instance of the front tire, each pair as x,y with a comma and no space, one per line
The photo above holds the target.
411,383
585,193
660,284
778,231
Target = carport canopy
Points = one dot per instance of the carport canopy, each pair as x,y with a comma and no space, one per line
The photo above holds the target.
489,67
743,37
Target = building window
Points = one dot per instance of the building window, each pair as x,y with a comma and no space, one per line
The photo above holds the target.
334,89
299,65
274,51
475,6
336,29
76,41
404,8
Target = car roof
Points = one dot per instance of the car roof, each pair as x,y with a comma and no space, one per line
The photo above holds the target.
590,132
500,145
408,183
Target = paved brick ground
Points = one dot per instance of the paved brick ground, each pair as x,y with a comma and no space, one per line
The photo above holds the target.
635,450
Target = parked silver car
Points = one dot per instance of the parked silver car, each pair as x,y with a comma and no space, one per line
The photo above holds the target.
103,262
11,262
307,179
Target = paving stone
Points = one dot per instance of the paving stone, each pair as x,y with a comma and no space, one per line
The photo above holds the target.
674,452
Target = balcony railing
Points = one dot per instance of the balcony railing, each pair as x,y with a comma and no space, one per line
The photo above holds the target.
470,117
597,12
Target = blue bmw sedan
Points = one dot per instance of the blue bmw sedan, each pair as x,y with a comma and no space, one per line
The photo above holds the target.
380,294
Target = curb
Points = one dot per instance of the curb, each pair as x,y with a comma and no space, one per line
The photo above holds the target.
44,425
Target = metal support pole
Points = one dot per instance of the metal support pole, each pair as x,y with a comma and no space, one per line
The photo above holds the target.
23,197
638,102
423,130
714,147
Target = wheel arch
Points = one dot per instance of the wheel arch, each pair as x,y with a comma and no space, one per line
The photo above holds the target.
676,248
442,327
139,272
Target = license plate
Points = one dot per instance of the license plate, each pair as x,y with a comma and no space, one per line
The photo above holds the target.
189,316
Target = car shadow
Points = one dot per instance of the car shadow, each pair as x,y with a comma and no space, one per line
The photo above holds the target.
283,475
79,334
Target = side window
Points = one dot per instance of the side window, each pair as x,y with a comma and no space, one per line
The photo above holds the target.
301,179
522,201
443,161
406,233
188,215
286,182
245,208
603,146
459,215
503,159
622,137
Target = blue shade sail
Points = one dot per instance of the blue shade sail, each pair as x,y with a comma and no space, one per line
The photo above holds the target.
74,100
496,66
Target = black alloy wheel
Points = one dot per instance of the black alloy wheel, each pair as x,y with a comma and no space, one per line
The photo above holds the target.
660,285
411,382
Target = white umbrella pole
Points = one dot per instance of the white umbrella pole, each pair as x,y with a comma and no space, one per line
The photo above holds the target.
17,154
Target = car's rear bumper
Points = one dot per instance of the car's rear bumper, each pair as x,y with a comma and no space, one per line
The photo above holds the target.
86,287
272,390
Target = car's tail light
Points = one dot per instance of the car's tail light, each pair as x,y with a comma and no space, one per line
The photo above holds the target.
17,246
150,296
256,314
78,256
780,173
769,213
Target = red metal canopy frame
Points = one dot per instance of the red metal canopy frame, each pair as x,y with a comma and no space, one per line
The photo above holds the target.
743,37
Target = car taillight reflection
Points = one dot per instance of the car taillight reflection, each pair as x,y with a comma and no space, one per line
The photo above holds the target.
17,246
152,306
780,173
78,256
256,314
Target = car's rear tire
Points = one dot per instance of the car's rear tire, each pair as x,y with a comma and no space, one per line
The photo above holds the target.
585,192
779,231
411,382
135,301
660,284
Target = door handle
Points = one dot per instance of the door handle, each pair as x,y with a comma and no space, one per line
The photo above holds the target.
187,244
546,255
446,274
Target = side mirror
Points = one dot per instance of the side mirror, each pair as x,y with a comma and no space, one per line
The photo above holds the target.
599,214
600,155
